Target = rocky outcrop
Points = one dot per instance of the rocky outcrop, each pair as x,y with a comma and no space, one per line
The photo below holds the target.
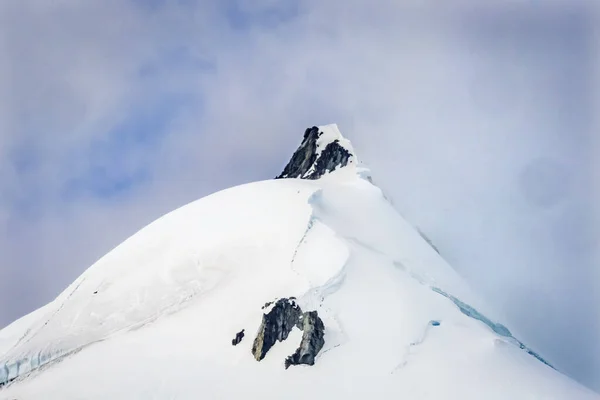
276,326
332,157
238,338
308,163
304,157
312,340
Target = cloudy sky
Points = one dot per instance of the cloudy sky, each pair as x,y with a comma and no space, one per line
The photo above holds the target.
477,121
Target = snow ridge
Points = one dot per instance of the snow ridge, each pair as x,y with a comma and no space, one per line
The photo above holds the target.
326,276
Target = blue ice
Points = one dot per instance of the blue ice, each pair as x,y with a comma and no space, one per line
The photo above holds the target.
496,327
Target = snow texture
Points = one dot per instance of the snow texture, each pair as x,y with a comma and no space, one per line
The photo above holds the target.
155,317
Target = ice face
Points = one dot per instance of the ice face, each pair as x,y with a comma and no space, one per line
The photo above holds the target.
496,327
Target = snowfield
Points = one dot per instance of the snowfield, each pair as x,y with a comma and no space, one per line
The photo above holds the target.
155,317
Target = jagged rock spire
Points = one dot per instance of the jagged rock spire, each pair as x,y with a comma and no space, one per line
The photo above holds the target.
322,150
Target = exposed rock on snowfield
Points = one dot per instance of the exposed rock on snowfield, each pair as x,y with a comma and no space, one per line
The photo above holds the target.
276,326
333,156
320,152
238,338
312,340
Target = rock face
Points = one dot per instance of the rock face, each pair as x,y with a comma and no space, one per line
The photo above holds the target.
276,326
310,163
238,338
332,156
312,340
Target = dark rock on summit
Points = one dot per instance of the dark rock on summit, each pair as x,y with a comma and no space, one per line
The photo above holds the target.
305,163
276,326
331,157
312,340
304,157
238,338
267,304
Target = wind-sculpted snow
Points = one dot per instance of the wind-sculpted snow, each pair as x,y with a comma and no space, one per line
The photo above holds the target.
162,315
496,327
420,340
159,271
473,313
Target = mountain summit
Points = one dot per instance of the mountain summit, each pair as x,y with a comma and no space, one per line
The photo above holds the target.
285,288
323,149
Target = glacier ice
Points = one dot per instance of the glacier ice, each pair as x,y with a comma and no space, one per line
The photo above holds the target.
496,327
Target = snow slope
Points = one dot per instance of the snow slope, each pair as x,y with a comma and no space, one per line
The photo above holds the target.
154,318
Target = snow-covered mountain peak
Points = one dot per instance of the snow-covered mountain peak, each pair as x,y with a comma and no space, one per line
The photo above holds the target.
298,288
323,149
